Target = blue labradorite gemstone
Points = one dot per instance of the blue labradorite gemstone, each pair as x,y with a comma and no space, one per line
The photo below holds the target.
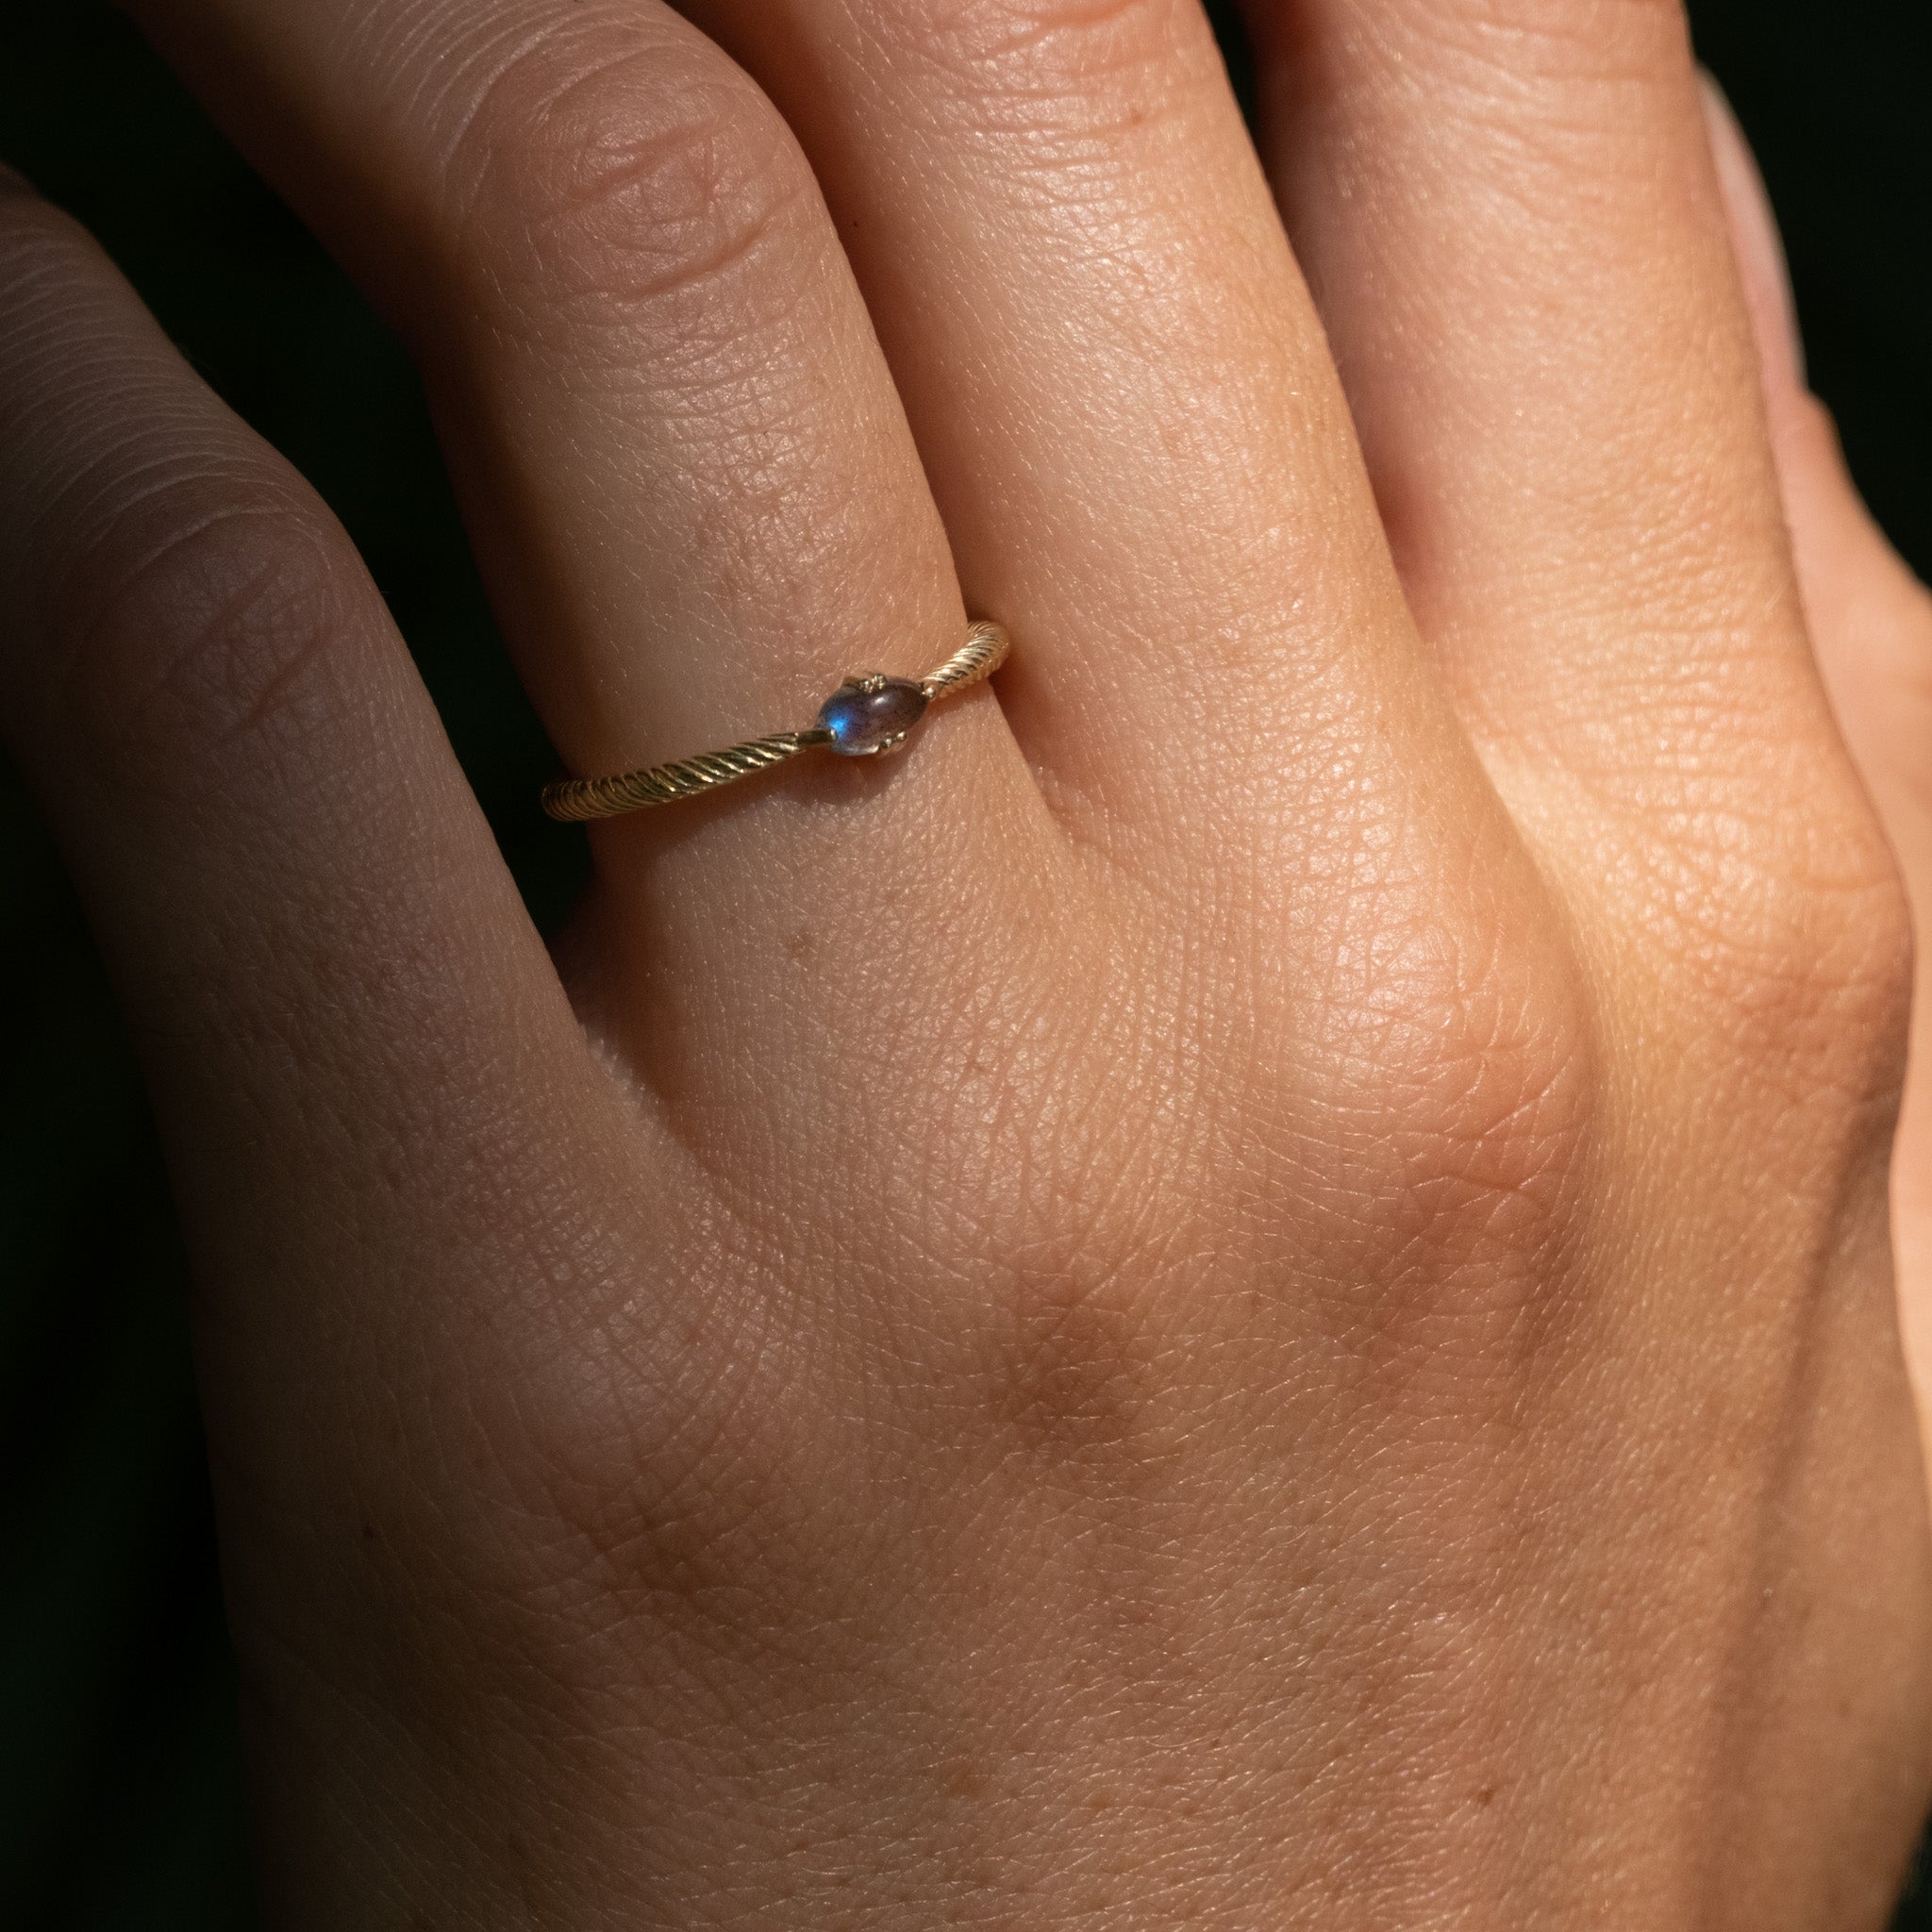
872,714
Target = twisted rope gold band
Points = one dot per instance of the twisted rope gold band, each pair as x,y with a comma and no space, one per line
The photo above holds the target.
863,717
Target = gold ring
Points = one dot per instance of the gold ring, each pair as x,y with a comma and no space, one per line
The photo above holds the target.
865,716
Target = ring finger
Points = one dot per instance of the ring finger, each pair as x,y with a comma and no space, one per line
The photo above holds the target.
1127,406
684,468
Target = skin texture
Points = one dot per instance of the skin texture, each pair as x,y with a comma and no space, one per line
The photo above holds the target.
1871,621
1253,1289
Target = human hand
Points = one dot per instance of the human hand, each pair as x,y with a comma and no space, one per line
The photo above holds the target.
1252,1288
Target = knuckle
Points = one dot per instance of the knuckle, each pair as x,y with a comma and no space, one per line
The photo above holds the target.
595,176
1563,74
1028,54
990,30
42,252
200,614
1805,939
1555,40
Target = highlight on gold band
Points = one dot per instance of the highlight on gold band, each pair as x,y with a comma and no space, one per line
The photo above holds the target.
865,716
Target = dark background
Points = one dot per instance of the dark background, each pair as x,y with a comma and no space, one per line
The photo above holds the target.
119,1788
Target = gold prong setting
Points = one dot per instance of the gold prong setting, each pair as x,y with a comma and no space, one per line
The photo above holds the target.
871,714
868,716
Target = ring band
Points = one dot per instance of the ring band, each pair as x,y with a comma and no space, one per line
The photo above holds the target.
865,716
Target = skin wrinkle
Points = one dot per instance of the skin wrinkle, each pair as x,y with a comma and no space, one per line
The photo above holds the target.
623,216
1024,54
